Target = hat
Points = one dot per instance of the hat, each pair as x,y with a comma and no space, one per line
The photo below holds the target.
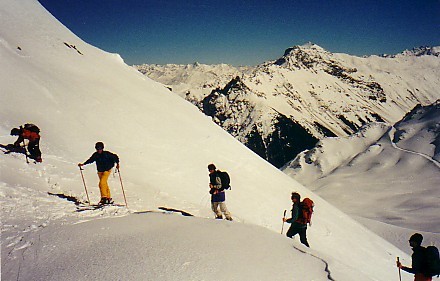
416,237
211,167
99,145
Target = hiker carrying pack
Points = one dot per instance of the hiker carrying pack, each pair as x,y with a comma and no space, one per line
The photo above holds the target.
218,182
32,133
424,260
301,216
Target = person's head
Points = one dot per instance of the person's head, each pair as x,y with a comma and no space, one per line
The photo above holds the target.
15,132
211,168
415,240
99,146
295,197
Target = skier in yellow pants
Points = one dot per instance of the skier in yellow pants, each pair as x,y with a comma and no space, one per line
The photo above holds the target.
105,161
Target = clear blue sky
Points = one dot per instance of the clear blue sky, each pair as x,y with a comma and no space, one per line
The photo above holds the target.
245,32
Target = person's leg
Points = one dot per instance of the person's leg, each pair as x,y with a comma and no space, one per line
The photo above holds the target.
303,236
215,209
225,211
103,185
34,150
292,232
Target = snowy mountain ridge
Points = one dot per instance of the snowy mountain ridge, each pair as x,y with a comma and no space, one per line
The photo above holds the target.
312,93
192,79
419,51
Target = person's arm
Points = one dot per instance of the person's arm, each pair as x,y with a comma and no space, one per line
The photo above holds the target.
405,268
116,159
19,140
412,269
89,161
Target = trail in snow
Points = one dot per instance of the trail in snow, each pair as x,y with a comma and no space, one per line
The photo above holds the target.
391,134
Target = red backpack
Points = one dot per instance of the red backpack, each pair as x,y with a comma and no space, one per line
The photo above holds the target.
306,211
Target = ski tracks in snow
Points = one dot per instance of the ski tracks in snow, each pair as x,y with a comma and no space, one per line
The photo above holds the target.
391,134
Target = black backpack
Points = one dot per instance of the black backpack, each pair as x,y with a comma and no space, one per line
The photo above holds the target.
32,128
225,179
432,261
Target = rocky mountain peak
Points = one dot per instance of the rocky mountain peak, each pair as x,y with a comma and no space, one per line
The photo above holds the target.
306,56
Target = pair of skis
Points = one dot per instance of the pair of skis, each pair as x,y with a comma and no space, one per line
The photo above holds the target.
92,207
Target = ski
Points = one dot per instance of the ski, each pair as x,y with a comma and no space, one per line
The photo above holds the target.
82,208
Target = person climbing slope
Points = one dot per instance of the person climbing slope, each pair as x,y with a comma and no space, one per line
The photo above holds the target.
31,133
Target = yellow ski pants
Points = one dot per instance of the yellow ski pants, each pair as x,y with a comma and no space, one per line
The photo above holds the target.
103,185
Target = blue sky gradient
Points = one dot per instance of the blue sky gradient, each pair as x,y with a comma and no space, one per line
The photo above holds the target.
246,32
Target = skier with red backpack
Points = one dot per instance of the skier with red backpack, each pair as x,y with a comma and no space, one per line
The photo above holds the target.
301,216
31,133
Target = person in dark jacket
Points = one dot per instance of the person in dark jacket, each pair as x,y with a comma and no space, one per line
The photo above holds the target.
415,241
31,133
297,227
218,196
105,161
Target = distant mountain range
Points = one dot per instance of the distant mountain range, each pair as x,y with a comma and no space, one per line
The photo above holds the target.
419,51
282,107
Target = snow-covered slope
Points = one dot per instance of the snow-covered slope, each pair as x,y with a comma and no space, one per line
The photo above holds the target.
78,94
382,174
285,106
164,247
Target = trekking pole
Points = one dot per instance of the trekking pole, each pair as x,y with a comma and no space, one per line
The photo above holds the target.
122,186
84,182
284,216
400,275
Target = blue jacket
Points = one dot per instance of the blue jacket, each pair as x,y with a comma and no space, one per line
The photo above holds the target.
104,161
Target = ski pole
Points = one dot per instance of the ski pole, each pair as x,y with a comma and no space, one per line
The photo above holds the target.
84,182
284,216
400,275
122,186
